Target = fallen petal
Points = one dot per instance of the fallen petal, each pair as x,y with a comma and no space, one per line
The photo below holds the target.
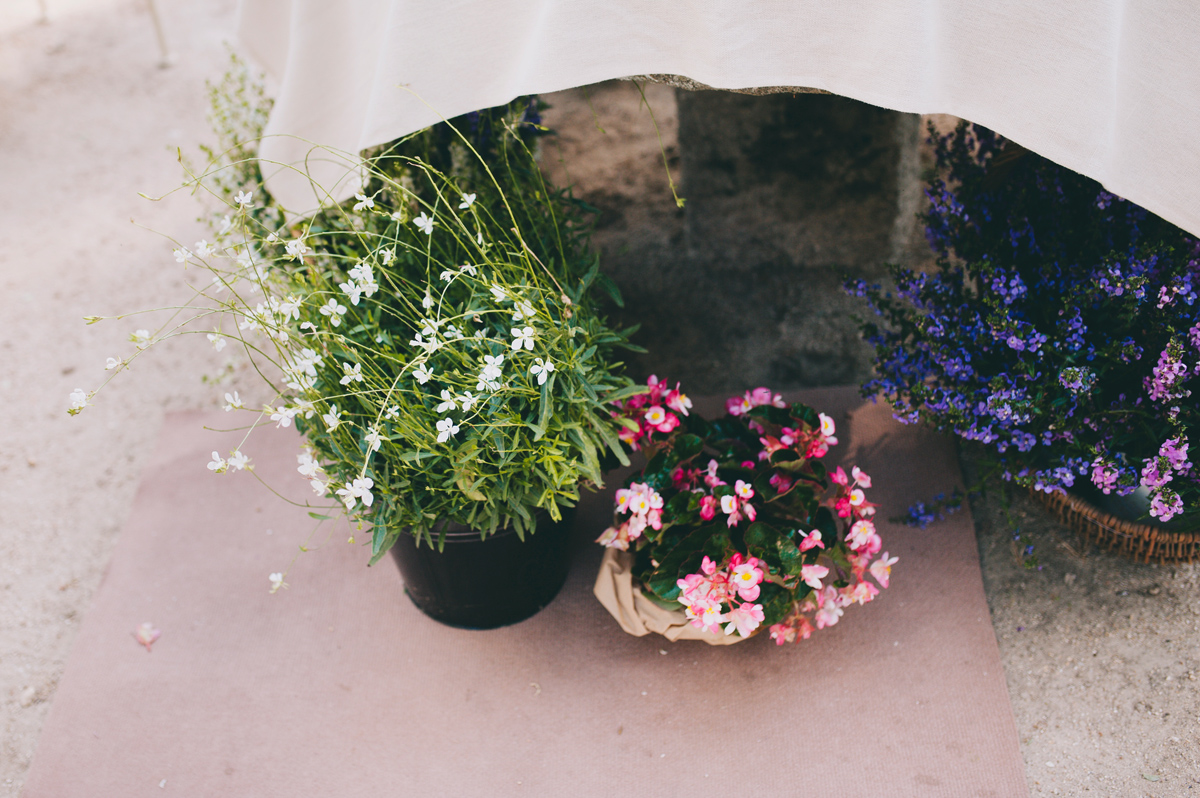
146,634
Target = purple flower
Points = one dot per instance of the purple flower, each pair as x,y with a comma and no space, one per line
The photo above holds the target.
1165,504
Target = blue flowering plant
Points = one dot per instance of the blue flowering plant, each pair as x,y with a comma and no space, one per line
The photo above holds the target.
1060,328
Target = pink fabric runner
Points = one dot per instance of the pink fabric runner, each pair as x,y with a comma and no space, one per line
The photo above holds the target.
337,686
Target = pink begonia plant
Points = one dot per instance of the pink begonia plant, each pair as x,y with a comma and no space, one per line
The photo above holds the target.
739,522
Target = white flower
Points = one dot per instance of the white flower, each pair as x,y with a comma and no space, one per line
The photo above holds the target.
490,375
332,418
467,401
79,400
387,256
305,408
296,248
276,582
352,373
282,416
358,489
467,199
238,460
141,338
522,337
522,310
308,325
479,238
374,441
365,276
218,465
334,310
392,413
273,238
182,254
424,223
226,226
351,290
290,307
203,248
446,429
318,486
427,302
447,275
469,269
217,340
363,202
422,374
244,199
499,293
232,402
308,361
541,370
111,364
447,402
308,467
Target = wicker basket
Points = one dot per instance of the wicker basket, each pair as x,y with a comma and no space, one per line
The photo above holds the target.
1138,541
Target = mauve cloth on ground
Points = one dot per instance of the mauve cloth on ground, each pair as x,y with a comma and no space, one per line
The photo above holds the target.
339,686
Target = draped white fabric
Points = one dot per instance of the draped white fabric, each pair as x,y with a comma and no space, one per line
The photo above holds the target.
1109,88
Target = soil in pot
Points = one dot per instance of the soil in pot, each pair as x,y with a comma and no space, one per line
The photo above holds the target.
483,584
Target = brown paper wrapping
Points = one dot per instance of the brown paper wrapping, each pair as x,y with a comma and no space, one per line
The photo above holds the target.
638,615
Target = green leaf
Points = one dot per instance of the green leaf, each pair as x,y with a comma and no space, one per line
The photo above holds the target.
319,517
381,541
626,392
606,284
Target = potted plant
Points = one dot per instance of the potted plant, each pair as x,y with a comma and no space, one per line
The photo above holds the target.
731,526
1060,332
435,342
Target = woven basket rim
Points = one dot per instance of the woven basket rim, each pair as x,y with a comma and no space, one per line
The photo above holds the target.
1142,541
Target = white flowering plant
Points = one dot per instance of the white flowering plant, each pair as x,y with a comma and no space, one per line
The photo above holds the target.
434,338
739,524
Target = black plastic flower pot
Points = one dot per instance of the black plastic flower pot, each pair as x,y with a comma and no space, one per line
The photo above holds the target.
482,584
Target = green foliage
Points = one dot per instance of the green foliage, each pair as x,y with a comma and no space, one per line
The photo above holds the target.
454,249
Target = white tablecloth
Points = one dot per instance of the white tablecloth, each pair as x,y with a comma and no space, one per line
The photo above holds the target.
1110,88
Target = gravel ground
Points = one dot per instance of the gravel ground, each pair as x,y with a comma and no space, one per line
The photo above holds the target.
1101,655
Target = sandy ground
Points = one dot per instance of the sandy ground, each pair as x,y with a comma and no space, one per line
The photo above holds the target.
1101,655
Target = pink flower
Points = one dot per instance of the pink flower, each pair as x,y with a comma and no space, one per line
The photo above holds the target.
736,405
828,614
781,483
813,574
708,566
857,497
615,538
710,475
746,578
630,437
881,569
678,401
743,490
694,586
812,540
705,614
783,633
708,507
839,476
744,619
828,428
861,593
860,534
860,478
